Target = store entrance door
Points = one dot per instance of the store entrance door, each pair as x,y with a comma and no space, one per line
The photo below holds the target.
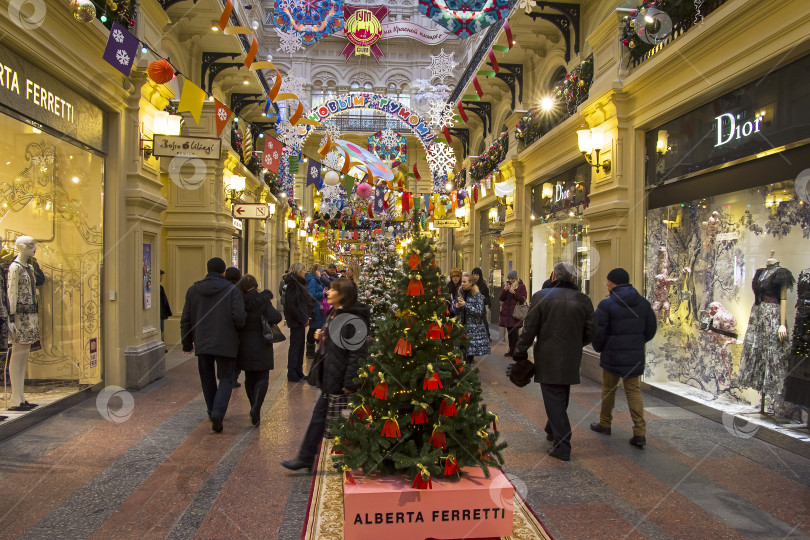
492,261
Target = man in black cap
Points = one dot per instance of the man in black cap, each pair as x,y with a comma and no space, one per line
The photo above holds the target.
561,319
625,321
213,313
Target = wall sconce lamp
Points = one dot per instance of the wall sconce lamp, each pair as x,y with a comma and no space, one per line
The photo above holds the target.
290,223
590,144
163,123
662,145
234,187
302,233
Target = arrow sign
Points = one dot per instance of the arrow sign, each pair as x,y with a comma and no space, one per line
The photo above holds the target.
250,211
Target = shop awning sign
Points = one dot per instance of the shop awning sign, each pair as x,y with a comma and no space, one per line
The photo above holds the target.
447,223
192,147
250,211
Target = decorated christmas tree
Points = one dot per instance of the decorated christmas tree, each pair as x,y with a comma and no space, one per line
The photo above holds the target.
378,282
418,410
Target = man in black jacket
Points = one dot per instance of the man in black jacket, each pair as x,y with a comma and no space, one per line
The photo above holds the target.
625,321
561,319
299,308
213,313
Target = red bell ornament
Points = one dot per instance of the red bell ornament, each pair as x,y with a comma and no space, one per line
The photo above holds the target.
160,71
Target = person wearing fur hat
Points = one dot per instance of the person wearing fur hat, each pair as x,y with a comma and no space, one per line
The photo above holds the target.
625,321
512,294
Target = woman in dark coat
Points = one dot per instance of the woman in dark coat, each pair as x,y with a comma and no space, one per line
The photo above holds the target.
298,309
513,294
470,309
478,281
343,345
255,356
315,288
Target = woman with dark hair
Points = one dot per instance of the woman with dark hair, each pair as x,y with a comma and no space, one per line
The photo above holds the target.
453,284
255,356
470,308
315,288
478,281
298,306
342,344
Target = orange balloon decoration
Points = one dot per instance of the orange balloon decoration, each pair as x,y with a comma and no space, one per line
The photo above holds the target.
160,71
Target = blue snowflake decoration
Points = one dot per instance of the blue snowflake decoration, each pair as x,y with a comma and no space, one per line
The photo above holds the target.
313,19
397,153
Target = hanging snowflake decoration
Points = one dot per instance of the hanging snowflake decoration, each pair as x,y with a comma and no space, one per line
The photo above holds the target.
425,93
291,135
118,36
333,130
334,159
291,84
441,66
289,42
441,158
441,114
389,138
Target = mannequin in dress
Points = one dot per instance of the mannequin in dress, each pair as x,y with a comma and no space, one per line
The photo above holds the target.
763,362
662,284
23,320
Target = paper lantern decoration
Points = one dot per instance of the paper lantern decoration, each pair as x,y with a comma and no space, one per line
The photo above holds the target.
160,71
331,178
364,190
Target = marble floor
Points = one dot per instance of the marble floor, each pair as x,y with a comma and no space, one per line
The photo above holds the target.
160,472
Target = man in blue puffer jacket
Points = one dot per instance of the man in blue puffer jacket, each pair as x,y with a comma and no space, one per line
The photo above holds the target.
625,321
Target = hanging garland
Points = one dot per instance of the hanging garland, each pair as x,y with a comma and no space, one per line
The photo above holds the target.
681,12
487,161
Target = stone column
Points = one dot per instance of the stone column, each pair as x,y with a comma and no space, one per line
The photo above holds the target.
139,291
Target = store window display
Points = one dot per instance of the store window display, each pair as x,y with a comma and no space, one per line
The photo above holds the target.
729,263
51,216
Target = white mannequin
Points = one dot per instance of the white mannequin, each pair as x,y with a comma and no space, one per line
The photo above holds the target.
19,271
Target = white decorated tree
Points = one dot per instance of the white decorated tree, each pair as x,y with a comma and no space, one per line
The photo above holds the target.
378,281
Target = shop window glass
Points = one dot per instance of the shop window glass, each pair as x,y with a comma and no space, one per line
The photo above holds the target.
563,240
701,259
54,192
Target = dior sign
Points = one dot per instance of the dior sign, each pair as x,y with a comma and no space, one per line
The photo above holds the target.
731,127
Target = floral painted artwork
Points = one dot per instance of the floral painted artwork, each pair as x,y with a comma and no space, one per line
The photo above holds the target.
311,19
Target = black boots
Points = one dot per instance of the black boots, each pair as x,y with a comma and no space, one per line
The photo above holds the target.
310,350
296,464
599,428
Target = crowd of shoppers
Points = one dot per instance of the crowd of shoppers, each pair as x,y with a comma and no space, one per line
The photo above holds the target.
226,318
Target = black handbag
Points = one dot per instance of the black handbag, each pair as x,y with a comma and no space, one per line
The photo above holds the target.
315,375
271,333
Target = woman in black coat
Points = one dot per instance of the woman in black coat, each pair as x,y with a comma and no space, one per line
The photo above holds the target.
299,308
342,344
255,356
